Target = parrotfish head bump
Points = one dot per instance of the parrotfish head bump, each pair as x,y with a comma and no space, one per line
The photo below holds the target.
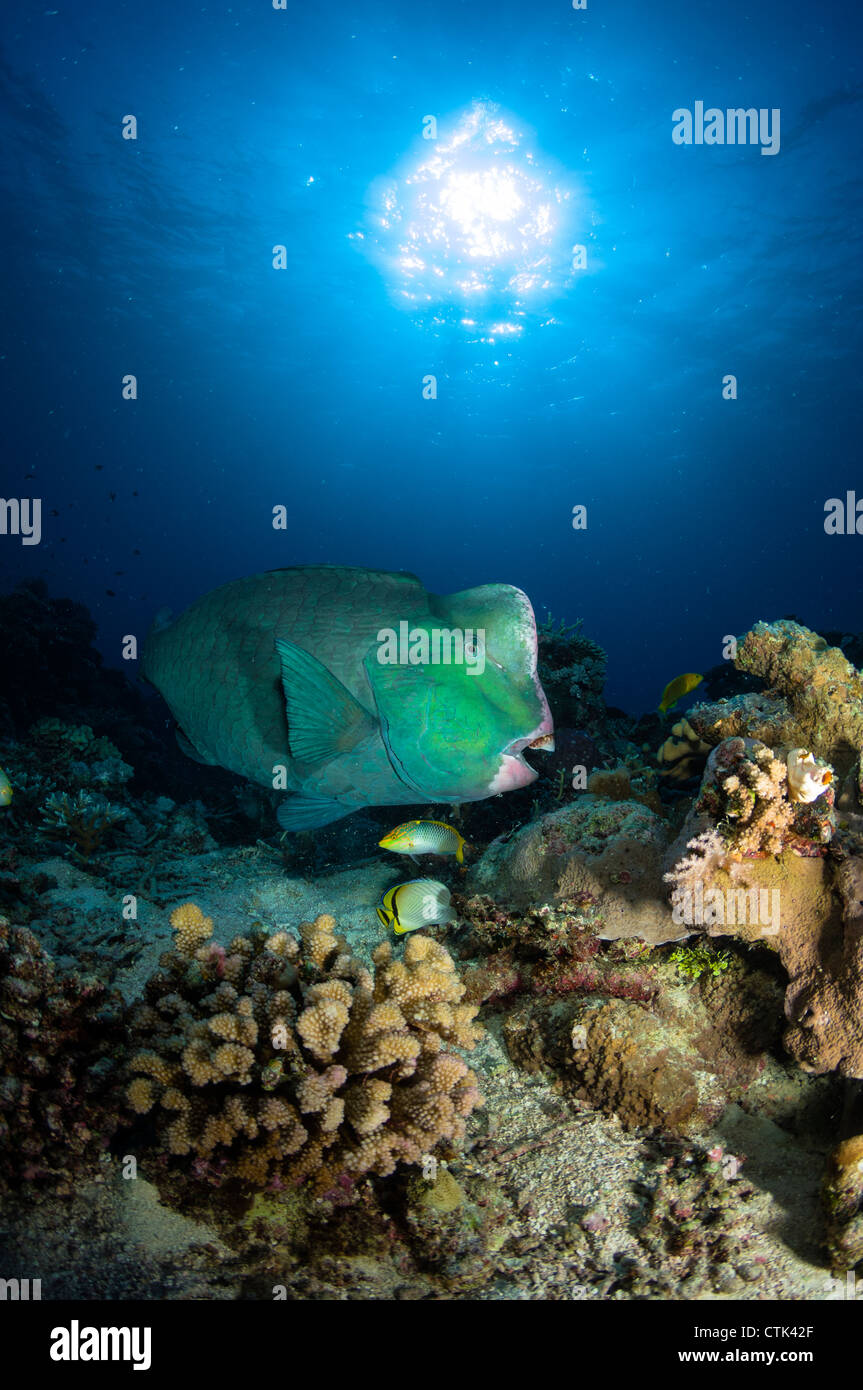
514,771
458,734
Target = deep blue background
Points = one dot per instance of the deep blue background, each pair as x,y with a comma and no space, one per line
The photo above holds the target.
303,387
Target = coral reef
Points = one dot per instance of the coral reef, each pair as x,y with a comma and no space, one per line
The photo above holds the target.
673,1060
757,870
76,757
55,655
625,783
572,673
814,697
276,1061
695,1212
683,753
547,951
843,1203
84,820
608,850
60,1035
631,1063
823,690
824,960
745,809
59,761
745,790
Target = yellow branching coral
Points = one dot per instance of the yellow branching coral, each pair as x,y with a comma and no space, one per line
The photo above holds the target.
321,1027
234,1028
140,1095
320,940
276,1061
191,926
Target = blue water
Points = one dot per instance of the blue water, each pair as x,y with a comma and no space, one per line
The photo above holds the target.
303,387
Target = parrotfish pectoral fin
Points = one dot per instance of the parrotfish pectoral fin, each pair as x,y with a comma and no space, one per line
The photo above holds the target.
187,746
310,813
324,719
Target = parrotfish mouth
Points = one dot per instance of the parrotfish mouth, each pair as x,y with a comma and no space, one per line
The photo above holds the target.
545,742
514,770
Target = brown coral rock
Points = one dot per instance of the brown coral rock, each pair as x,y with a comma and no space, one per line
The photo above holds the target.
843,1202
824,1001
823,690
609,852
630,1064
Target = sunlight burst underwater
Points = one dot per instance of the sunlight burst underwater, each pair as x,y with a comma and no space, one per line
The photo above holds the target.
477,229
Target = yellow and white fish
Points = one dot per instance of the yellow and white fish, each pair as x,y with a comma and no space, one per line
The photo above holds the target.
5,789
416,904
425,837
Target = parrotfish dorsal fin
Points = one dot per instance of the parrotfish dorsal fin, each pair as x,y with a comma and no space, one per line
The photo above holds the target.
324,719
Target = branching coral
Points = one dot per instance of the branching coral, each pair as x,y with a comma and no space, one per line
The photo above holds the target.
762,803
745,810
82,819
277,1061
745,789
59,1035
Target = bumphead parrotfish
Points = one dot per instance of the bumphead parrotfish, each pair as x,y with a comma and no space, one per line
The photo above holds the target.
352,687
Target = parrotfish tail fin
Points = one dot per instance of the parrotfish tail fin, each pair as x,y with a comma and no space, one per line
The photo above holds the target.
310,813
324,719
187,746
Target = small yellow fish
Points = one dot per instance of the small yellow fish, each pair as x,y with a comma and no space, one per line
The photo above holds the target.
416,904
5,789
676,689
425,837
